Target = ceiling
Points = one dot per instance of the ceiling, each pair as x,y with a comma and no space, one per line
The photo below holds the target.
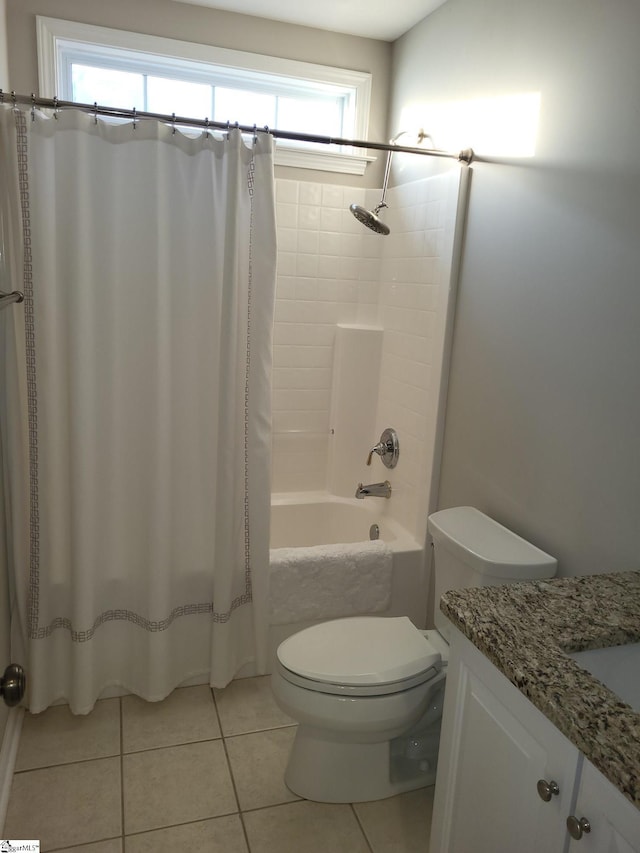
379,19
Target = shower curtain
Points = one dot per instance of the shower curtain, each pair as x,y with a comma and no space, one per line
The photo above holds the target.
135,421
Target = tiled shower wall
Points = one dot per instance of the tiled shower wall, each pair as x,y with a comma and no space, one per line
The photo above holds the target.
416,281
328,273
331,270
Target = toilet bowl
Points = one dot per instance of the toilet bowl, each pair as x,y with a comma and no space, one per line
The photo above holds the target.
367,692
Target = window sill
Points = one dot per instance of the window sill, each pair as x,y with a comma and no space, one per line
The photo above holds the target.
323,161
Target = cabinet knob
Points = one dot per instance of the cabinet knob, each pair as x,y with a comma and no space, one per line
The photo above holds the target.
577,826
546,790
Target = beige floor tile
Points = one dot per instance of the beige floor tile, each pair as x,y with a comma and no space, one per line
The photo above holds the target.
258,762
56,736
68,805
305,826
220,835
178,784
399,824
113,845
185,716
247,705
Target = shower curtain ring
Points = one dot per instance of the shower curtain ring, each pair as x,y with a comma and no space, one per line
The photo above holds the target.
55,107
173,122
135,118
33,107
255,134
206,127
1,96
95,112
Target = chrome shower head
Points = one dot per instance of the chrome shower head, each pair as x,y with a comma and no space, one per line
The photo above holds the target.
370,218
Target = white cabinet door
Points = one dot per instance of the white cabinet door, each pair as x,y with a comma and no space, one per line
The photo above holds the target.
495,747
614,821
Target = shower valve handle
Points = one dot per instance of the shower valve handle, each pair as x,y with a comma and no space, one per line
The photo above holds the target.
388,449
380,449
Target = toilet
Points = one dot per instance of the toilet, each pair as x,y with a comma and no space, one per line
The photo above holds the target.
367,692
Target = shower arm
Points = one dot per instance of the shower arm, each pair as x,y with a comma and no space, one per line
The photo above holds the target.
387,172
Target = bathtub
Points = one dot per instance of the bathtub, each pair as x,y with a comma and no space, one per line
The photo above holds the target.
308,519
305,519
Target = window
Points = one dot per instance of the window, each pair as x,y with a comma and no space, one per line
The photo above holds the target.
88,64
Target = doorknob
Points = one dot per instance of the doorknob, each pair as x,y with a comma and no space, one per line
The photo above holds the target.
12,684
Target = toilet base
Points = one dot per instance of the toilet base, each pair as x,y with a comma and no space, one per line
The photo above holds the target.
329,771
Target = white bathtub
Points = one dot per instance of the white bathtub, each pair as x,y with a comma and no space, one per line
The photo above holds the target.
305,519
302,519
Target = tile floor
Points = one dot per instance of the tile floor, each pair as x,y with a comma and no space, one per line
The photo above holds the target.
201,771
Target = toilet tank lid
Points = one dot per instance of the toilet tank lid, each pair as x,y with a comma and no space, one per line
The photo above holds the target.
487,546
359,650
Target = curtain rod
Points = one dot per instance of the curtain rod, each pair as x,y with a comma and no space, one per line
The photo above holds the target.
465,156
7,298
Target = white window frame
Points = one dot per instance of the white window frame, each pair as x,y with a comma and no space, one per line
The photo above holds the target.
58,39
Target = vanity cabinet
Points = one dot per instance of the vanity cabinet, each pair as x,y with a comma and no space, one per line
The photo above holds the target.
507,778
614,821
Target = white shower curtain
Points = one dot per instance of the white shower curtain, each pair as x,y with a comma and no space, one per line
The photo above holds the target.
135,422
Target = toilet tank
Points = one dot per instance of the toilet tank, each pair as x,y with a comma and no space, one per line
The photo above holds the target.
471,549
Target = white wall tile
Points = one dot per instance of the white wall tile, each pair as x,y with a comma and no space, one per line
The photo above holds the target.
287,239
306,265
310,193
309,217
284,421
332,269
302,356
299,334
308,242
286,214
332,196
286,264
331,219
302,378
287,191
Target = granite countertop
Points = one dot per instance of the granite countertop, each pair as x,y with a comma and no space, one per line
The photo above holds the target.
526,629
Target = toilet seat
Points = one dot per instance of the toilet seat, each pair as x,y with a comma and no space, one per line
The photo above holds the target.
361,656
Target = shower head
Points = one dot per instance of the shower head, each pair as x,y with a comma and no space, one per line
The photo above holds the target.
370,218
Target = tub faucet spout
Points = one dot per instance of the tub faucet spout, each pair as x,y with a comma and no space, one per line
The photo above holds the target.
374,490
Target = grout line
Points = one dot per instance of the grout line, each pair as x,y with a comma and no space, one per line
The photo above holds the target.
231,776
66,763
260,731
122,774
84,844
172,745
176,825
278,805
362,829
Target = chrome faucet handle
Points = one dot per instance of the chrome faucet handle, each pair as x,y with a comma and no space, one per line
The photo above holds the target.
379,448
388,449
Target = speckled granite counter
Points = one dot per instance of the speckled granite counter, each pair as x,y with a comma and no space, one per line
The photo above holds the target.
525,630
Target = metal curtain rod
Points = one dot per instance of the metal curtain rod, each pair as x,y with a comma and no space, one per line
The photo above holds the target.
7,298
466,156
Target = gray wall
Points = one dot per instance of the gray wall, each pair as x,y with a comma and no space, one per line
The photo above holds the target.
543,416
4,593
223,29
